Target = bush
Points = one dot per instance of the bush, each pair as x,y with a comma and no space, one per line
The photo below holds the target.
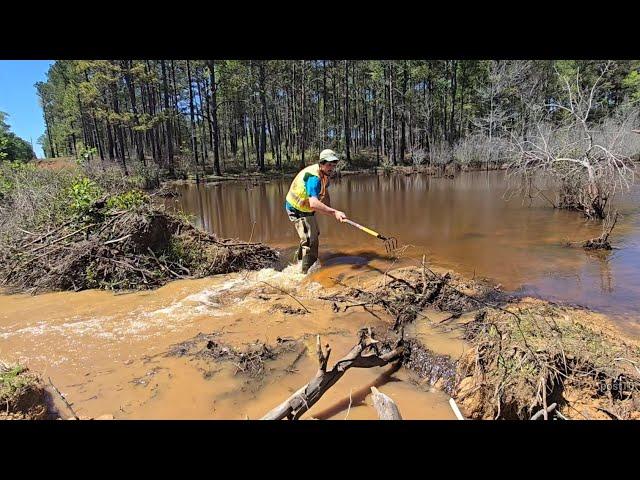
8,173
127,200
83,193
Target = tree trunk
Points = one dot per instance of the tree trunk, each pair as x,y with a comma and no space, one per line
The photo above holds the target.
454,88
126,66
175,106
303,399
385,406
263,115
405,79
48,128
118,128
203,135
194,143
347,131
167,120
392,117
302,129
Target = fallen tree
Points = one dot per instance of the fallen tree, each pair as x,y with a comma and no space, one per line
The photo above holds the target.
366,353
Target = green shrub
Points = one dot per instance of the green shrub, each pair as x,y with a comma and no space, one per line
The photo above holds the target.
127,200
83,193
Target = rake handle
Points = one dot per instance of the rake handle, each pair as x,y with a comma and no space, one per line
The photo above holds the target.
364,229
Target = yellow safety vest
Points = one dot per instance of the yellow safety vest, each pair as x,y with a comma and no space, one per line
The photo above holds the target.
298,196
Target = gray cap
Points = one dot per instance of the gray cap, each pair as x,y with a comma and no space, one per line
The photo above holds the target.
328,156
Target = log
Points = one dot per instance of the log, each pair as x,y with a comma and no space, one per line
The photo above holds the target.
365,354
385,406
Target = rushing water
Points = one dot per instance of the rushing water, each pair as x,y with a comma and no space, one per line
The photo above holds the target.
106,352
463,223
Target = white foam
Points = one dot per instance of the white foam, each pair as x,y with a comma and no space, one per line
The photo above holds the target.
218,299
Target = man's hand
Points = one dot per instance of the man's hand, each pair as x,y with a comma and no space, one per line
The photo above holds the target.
340,216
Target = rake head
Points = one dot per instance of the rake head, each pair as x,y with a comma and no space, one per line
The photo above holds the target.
390,243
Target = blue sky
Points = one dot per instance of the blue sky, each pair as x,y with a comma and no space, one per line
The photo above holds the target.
18,97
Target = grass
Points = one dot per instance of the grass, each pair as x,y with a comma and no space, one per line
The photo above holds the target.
14,380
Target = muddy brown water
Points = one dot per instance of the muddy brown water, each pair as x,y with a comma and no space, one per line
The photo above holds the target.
464,224
106,352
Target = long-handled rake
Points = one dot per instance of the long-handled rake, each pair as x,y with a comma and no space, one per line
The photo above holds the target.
390,243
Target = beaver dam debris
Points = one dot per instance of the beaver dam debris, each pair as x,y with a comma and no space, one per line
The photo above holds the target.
527,354
250,361
136,248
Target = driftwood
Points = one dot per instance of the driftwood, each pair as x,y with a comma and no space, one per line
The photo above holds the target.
455,409
385,406
541,413
365,354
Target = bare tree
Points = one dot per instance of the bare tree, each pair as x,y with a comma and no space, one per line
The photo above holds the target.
588,162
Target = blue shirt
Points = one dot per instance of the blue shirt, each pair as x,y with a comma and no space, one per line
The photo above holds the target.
313,187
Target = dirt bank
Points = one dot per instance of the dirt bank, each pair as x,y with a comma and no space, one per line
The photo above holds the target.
22,394
526,354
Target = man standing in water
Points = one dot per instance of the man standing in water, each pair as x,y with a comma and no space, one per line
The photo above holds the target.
307,195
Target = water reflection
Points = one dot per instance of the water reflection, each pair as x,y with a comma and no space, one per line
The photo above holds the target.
462,223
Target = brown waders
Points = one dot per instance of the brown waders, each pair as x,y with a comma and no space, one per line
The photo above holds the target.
307,228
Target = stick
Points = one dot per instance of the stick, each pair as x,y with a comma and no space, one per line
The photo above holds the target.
350,400
48,234
284,291
385,406
544,397
252,227
455,409
610,413
62,238
117,239
542,412
64,400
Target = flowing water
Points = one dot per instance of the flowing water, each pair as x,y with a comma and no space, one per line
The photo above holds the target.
464,224
107,352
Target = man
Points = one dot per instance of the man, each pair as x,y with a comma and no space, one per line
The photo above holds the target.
307,195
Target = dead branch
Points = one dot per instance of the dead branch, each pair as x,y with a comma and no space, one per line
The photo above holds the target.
287,293
544,411
385,406
365,354
64,400
602,241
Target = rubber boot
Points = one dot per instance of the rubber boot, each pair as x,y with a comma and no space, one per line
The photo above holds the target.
297,255
307,262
